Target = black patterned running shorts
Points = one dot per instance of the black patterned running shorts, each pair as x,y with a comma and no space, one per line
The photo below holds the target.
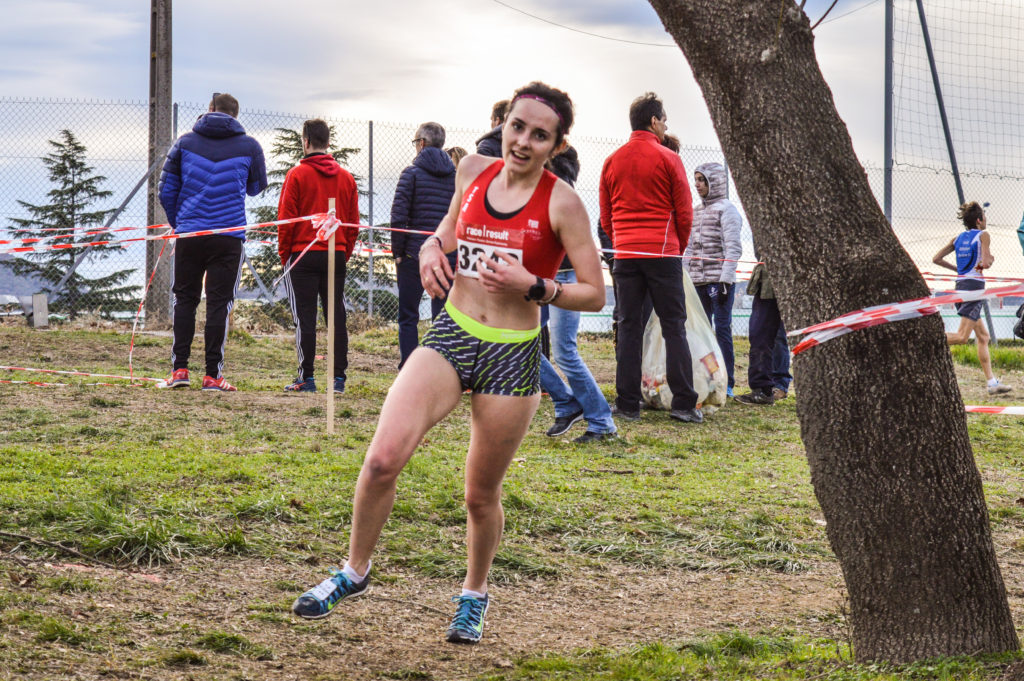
488,360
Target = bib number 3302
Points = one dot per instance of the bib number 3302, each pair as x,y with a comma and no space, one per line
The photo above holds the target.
471,251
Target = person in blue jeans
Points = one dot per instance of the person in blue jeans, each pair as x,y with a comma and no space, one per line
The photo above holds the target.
581,398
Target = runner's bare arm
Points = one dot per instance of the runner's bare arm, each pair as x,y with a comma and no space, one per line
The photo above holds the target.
986,259
571,224
435,271
940,257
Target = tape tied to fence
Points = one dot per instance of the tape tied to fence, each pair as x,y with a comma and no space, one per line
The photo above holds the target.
161,237
893,312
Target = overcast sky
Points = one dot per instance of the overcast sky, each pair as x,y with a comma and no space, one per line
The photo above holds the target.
411,60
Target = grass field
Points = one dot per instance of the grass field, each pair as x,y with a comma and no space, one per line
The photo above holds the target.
674,552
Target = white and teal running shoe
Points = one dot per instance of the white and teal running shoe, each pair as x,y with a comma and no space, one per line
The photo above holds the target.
468,624
319,601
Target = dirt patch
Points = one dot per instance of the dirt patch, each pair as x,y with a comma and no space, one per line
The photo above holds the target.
398,629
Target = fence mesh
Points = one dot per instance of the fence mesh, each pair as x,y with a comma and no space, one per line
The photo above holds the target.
115,137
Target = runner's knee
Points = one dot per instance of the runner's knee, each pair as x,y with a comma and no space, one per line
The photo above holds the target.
480,498
383,466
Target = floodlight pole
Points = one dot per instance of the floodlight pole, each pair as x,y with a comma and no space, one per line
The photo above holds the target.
940,101
949,140
161,119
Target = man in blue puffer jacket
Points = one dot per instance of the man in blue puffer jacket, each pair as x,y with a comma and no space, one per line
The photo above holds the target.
205,179
422,199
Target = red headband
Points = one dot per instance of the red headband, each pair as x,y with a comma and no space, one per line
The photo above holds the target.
561,121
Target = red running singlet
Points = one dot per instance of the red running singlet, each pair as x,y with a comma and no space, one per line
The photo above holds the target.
526,235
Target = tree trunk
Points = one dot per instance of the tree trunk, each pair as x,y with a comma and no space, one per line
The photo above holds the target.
880,412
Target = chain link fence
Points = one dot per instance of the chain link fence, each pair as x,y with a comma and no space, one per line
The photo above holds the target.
114,136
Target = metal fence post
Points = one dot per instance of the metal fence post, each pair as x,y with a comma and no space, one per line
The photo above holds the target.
158,312
372,234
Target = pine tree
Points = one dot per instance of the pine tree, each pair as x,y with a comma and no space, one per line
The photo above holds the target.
75,191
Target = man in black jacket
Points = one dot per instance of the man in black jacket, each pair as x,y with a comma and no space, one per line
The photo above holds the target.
490,144
424,193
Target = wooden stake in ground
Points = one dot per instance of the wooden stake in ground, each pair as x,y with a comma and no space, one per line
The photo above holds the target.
331,302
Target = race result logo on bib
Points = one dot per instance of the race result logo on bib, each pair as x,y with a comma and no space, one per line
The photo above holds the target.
481,241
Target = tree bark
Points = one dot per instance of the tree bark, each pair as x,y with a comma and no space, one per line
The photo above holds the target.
880,411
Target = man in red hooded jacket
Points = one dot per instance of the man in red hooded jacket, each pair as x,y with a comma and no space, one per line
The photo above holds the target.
306,191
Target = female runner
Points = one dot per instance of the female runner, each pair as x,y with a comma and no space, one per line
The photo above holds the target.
510,221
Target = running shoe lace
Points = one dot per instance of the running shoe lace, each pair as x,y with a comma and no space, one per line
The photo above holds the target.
467,613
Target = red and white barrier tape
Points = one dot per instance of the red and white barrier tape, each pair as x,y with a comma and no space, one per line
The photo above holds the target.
159,237
40,384
985,409
883,314
78,373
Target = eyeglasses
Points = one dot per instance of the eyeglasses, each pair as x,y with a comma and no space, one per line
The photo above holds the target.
417,141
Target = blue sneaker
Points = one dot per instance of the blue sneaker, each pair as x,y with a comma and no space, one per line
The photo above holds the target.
319,601
339,384
301,385
728,392
468,624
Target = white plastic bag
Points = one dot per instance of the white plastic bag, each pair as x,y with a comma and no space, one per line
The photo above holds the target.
709,376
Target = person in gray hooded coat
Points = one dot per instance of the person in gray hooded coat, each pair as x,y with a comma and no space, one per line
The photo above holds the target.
711,255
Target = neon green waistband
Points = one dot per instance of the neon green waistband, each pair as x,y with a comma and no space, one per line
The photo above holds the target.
488,333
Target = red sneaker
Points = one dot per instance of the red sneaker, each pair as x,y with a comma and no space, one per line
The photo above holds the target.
219,384
177,379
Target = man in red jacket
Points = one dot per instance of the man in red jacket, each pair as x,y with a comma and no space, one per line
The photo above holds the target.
647,211
307,188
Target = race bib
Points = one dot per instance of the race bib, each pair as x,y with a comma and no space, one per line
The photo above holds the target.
480,241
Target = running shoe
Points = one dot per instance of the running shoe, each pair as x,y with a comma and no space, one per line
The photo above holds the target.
319,601
468,624
998,388
564,423
177,379
779,394
339,384
301,385
218,384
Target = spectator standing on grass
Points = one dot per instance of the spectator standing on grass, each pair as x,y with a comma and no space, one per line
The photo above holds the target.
973,257
711,255
646,209
307,189
781,378
764,327
582,398
205,179
421,200
490,144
